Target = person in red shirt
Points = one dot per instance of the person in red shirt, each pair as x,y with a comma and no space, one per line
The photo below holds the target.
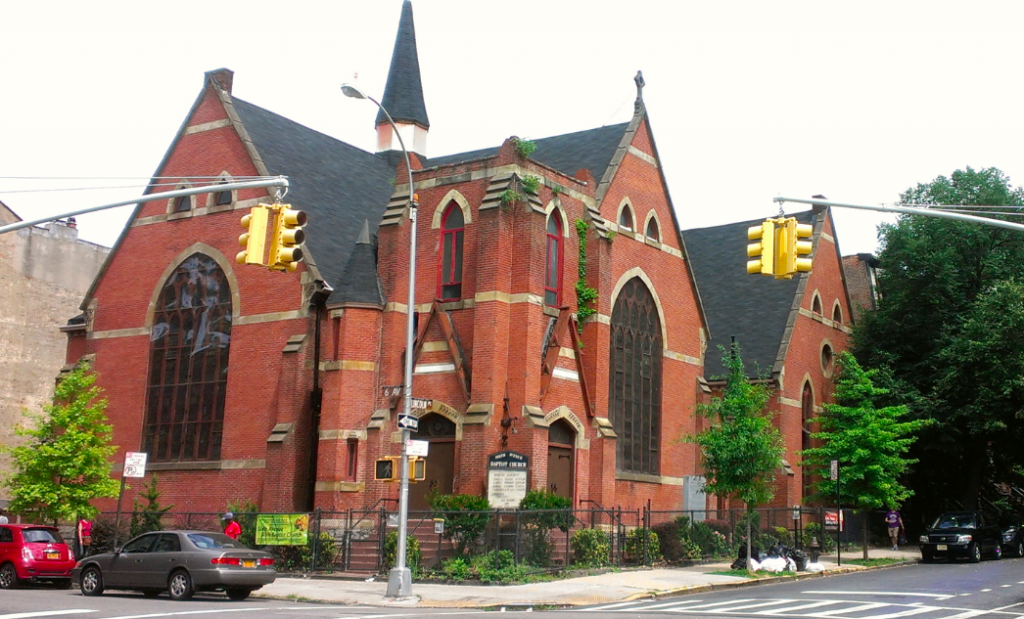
232,529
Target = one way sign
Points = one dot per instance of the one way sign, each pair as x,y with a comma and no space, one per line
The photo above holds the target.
408,422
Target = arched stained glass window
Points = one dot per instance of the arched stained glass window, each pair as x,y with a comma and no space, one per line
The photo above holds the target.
188,364
635,406
553,262
449,281
807,413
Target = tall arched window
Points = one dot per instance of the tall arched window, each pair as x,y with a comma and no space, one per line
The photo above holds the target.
635,406
553,264
807,413
449,277
188,364
653,232
626,218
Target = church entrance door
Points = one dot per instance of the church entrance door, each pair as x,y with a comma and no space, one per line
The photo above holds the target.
440,473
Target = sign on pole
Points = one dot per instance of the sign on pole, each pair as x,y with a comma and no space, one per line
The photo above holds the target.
833,471
135,464
417,448
408,422
391,391
420,403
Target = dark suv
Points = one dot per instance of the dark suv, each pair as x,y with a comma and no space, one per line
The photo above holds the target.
961,534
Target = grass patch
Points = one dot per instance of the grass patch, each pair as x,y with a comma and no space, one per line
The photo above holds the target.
874,562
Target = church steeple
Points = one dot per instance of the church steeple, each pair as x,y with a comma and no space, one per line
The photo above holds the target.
403,94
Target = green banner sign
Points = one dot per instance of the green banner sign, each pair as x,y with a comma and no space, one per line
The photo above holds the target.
282,529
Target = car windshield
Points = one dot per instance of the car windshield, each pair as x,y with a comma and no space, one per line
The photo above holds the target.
41,536
954,521
214,540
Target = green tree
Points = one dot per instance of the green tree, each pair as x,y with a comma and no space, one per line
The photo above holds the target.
936,279
870,444
65,462
742,449
146,517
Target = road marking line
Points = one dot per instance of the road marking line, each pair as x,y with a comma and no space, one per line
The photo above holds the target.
1005,586
906,613
995,610
781,611
852,609
967,614
700,606
618,605
985,590
937,596
746,606
48,613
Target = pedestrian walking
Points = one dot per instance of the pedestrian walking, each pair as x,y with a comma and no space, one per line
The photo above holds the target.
3,516
894,522
232,529
83,537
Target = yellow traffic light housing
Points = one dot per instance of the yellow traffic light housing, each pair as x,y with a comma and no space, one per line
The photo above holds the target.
417,469
763,251
285,253
789,248
801,248
388,467
254,239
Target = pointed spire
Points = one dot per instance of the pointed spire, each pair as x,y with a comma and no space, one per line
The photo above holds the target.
364,236
403,94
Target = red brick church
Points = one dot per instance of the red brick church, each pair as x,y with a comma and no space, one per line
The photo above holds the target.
248,384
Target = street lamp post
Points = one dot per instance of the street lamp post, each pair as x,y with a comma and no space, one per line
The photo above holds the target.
400,577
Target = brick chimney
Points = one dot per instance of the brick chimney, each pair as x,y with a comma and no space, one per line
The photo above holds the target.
222,77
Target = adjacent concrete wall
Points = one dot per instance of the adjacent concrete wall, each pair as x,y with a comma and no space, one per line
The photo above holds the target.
44,274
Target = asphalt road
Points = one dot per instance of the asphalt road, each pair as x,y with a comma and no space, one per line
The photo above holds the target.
989,590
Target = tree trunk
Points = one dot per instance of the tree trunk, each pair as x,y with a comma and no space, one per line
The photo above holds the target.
864,529
750,517
978,453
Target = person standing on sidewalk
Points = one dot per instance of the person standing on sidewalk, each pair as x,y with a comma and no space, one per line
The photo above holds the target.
895,524
232,529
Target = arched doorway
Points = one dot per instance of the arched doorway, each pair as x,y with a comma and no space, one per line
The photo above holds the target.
561,460
440,460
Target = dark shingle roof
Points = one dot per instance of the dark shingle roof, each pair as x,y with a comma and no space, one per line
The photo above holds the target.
359,283
338,185
591,149
403,93
753,308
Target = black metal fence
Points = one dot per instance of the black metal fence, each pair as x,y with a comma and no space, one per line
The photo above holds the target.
363,541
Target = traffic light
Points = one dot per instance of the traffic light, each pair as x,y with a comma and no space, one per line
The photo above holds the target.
763,251
254,239
285,253
795,248
388,467
417,469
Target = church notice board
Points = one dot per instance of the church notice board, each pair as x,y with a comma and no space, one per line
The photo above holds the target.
506,479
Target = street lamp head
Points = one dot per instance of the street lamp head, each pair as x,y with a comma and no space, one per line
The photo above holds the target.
351,91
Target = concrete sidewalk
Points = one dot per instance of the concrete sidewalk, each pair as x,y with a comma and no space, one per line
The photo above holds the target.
604,588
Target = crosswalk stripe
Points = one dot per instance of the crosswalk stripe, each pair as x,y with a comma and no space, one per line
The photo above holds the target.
906,613
679,608
967,614
782,611
746,606
47,613
851,609
617,605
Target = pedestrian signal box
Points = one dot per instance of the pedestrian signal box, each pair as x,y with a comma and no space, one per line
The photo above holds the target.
387,468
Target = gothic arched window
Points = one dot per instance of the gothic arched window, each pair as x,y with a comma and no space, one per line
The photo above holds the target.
553,262
188,364
807,413
635,378
449,279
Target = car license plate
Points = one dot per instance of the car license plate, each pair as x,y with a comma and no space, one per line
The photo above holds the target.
53,555
248,564
940,547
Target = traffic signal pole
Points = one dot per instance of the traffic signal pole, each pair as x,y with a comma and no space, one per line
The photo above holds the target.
280,182
911,210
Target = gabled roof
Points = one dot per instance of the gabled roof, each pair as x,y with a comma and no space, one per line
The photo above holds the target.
359,283
754,309
403,93
591,149
338,185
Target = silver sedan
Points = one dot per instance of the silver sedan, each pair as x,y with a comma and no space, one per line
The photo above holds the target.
179,562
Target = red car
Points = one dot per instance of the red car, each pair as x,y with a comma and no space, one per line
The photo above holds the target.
34,553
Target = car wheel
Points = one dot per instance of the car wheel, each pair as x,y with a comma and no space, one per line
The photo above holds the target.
180,586
974,552
92,581
151,593
238,594
8,576
997,554
64,583
1019,550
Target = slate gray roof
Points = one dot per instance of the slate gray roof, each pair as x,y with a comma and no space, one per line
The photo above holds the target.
403,93
591,149
338,185
359,283
753,308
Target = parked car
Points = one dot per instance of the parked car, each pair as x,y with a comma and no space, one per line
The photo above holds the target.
34,553
179,562
961,534
1013,537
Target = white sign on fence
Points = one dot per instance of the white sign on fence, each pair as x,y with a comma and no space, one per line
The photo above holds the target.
135,464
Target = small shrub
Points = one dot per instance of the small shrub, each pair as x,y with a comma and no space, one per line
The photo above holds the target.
530,184
465,516
712,543
525,148
510,196
146,518
103,535
590,548
292,558
814,531
412,551
721,526
555,511
785,536
497,566
456,568
670,541
637,540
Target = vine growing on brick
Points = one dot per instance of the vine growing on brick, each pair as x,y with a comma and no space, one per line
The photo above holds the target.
584,293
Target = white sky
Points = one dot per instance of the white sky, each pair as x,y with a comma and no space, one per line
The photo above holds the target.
748,99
